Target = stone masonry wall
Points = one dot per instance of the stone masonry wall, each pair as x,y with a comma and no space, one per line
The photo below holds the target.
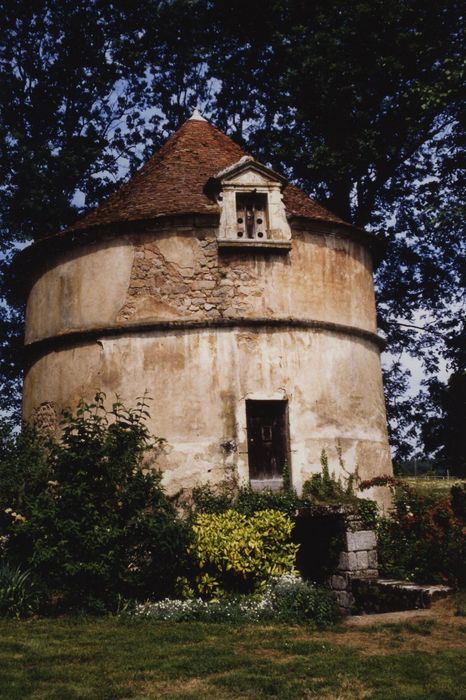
45,418
210,288
358,560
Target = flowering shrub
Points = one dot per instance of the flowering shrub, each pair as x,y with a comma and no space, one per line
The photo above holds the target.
423,540
384,480
246,608
238,553
286,598
296,600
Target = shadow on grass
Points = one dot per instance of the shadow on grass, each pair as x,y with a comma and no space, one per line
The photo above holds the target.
106,659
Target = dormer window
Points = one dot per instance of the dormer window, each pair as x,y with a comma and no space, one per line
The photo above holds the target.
252,210
252,215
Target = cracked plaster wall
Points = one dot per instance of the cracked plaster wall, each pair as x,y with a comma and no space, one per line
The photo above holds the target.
199,381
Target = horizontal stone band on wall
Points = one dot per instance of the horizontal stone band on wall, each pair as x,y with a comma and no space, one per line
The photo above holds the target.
68,338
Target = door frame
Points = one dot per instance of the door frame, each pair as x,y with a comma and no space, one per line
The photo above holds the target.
276,483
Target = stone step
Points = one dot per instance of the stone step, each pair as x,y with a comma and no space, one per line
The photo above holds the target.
389,595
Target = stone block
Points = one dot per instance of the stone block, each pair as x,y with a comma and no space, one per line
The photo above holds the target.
339,583
354,523
203,284
347,561
138,283
372,559
371,573
345,599
389,595
180,289
362,539
362,559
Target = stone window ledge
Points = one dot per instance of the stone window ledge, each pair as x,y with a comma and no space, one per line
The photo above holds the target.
267,244
266,484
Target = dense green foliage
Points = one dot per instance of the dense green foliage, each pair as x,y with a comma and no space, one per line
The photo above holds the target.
221,497
234,552
443,431
301,602
424,539
322,489
86,515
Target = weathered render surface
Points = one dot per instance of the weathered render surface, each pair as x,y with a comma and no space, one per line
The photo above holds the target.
162,307
179,273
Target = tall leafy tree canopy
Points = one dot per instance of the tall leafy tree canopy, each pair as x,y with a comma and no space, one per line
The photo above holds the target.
443,431
361,104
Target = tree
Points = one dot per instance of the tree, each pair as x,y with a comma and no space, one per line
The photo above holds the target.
56,117
361,104
83,86
74,96
443,432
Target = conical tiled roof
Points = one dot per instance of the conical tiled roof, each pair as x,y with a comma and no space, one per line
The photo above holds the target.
173,181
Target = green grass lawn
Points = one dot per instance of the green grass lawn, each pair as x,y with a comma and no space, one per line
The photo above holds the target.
107,658
433,488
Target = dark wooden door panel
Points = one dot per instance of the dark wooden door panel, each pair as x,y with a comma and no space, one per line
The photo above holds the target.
267,426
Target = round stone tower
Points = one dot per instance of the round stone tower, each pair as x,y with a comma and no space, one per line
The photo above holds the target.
243,308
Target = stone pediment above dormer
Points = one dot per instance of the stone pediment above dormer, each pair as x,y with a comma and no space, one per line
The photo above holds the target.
249,171
251,201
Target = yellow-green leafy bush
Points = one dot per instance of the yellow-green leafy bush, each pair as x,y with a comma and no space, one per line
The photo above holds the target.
235,552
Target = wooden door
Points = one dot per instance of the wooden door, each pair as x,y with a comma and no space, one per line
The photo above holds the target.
267,426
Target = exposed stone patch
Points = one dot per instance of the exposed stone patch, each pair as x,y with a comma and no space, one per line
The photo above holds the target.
209,287
44,418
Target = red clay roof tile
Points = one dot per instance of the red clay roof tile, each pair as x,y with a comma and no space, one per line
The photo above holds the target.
173,181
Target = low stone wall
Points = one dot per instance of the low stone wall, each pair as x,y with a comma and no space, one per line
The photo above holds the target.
358,560
390,595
